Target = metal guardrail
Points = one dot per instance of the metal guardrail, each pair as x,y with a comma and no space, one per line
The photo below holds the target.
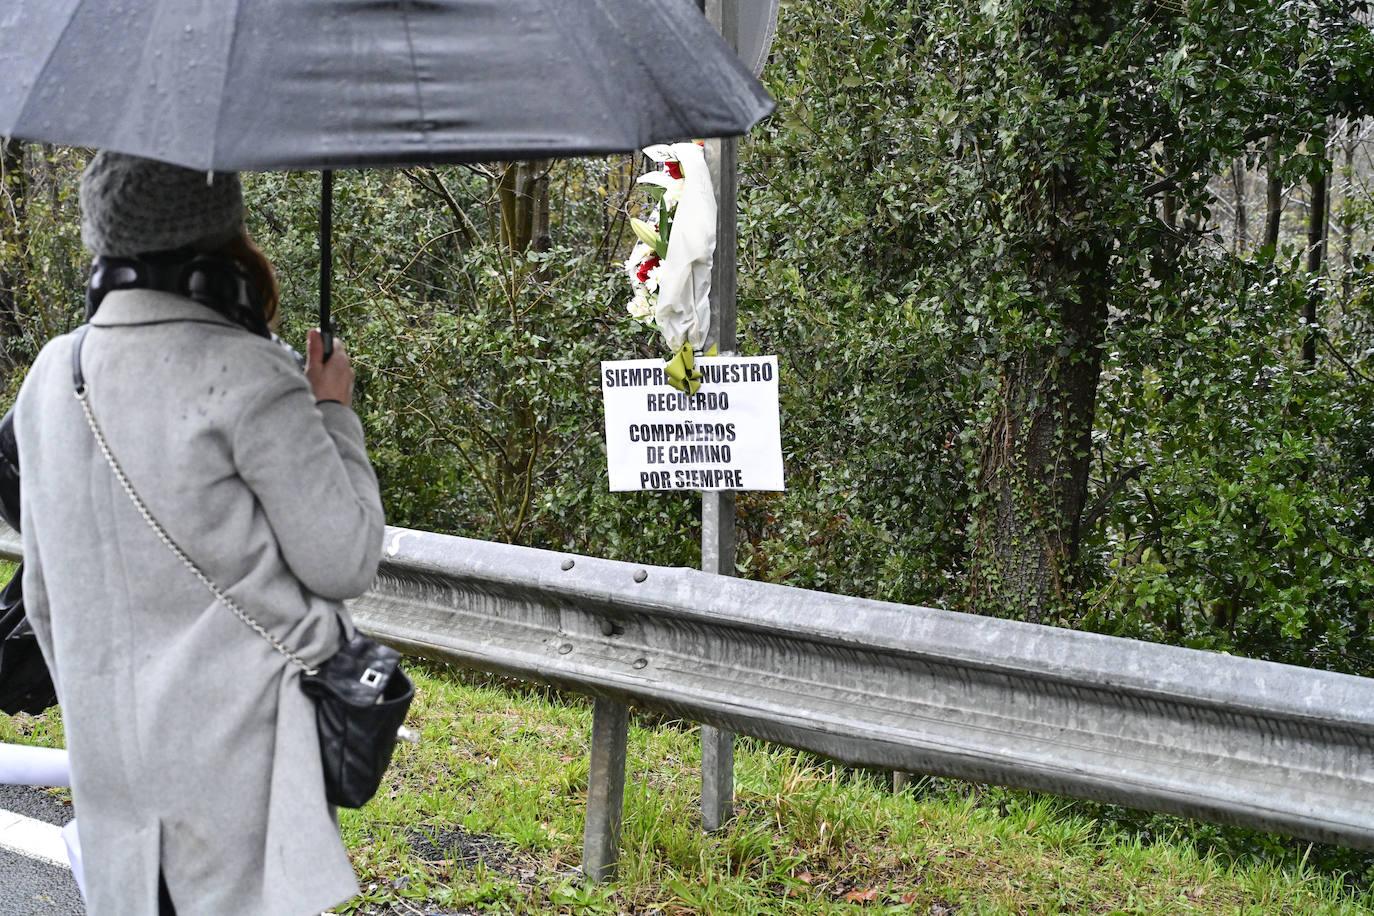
885,685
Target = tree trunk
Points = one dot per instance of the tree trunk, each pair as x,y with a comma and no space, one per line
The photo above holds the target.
507,196
1170,210
1033,478
1273,197
1241,230
1316,249
1347,223
524,194
541,238
1034,474
1037,446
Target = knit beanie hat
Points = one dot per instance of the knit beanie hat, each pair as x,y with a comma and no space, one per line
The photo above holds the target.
132,206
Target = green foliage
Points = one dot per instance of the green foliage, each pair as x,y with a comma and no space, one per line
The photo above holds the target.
1244,525
40,255
478,377
896,232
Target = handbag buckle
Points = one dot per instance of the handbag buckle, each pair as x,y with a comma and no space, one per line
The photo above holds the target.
372,678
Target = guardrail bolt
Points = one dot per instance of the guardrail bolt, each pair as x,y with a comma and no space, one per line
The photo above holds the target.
641,662
565,648
568,564
641,575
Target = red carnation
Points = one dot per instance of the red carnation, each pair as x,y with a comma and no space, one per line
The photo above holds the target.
674,169
645,266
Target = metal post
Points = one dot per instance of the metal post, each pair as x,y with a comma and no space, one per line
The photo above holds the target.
605,790
717,746
326,259
718,509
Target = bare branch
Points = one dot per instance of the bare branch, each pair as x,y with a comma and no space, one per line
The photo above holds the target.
440,190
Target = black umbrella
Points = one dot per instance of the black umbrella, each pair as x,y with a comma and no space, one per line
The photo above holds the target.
321,84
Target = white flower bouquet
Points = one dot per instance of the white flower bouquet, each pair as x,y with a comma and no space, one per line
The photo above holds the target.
669,268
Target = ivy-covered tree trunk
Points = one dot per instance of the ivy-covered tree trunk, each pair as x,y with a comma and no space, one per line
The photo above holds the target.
1032,482
1037,451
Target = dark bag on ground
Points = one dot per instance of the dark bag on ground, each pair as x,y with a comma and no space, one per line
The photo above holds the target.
25,685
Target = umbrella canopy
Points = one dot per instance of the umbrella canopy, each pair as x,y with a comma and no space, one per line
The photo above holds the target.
319,84
323,84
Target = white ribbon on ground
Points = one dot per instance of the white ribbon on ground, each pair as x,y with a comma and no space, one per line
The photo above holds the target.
21,765
33,766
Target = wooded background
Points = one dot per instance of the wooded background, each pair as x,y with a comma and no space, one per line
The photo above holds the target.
1073,302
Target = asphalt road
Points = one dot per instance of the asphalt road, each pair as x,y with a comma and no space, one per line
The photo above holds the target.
34,803
30,887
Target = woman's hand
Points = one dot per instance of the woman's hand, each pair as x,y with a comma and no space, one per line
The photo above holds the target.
333,380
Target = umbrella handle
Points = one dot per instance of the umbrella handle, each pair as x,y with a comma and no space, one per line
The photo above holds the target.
326,258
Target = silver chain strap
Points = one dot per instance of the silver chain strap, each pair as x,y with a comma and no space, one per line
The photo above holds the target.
83,395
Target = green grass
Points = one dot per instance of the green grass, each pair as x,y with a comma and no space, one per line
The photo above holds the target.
502,773
809,837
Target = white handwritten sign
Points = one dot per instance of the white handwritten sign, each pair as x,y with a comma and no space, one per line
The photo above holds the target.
724,437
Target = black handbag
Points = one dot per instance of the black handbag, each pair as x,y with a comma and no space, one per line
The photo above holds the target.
361,694
361,698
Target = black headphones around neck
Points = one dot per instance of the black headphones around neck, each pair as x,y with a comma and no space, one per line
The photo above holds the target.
217,282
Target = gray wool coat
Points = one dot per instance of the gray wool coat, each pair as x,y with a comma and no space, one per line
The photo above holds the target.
193,749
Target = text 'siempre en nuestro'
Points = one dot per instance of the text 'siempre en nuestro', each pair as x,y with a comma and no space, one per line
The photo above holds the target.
726,436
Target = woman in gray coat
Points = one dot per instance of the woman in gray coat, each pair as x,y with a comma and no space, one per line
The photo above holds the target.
194,753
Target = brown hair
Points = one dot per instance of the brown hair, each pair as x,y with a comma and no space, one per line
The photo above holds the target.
260,273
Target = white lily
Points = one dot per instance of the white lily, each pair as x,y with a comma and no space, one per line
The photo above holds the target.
647,233
672,187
